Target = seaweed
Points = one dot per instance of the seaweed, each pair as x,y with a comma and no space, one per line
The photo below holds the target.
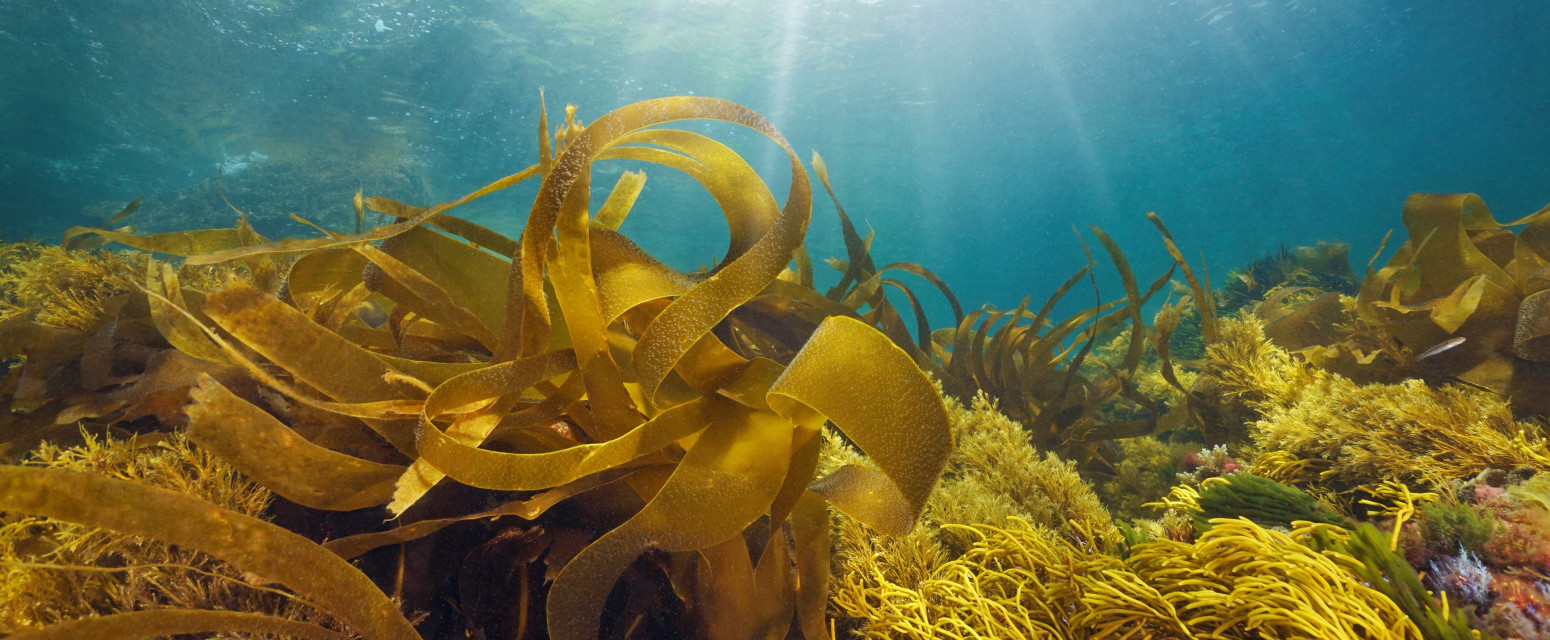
1265,502
1462,274
1324,267
1362,435
1238,581
1370,557
995,476
565,361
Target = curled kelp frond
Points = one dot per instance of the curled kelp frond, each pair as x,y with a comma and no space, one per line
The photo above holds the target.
1463,274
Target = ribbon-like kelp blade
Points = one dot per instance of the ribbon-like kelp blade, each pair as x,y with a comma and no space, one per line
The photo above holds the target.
321,358
526,472
741,194
422,295
860,266
694,313
737,600
350,547
156,623
275,456
1205,300
724,483
380,233
475,233
1137,346
577,159
473,279
499,382
313,354
334,270
246,543
168,309
621,199
1167,318
575,291
627,276
190,244
810,529
872,391
922,324
935,280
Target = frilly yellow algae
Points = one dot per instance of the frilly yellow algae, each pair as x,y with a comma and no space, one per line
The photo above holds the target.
994,475
55,570
1365,434
66,289
1238,580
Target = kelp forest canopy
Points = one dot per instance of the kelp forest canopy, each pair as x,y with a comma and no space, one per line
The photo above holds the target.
613,446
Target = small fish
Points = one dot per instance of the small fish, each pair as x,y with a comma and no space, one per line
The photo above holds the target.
1440,347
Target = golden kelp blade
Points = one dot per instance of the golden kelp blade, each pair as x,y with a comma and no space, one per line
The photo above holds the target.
531,471
694,313
725,482
157,623
178,243
867,386
621,199
742,195
247,543
170,314
350,547
273,455
313,354
373,235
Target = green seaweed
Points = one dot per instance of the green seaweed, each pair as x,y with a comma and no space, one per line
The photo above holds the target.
1262,500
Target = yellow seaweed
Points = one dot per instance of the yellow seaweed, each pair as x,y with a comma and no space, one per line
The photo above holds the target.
589,362
270,453
243,541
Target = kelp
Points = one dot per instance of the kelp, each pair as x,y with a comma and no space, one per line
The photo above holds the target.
994,475
376,365
1462,274
1023,358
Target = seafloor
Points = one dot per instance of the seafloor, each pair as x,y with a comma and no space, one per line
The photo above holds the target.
411,426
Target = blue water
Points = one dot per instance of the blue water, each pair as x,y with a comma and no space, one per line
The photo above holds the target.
971,135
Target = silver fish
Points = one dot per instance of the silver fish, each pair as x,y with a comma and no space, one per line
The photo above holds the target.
1440,347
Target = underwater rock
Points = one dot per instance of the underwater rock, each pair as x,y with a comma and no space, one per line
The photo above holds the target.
268,191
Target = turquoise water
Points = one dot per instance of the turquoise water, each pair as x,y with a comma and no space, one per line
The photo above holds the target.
971,136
